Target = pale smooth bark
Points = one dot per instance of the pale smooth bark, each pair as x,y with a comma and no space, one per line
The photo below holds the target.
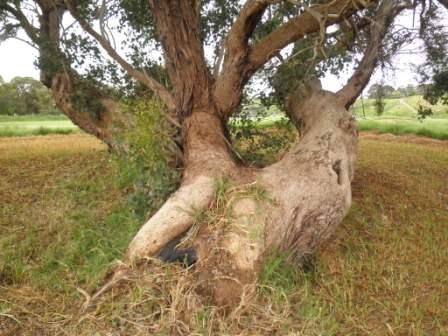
174,218
207,158
311,184
308,194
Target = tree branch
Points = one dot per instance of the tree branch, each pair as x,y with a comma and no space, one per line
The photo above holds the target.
142,77
378,28
308,22
178,27
444,3
242,61
228,83
243,27
34,46
30,30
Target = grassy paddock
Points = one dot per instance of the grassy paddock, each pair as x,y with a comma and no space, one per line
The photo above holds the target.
432,128
40,130
64,219
35,125
400,117
33,117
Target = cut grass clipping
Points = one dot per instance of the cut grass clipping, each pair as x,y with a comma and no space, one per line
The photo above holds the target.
64,220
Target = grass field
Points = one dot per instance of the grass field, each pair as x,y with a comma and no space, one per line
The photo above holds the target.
35,125
400,117
64,219
432,128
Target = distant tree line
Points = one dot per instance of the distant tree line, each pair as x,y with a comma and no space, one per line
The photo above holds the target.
25,95
388,91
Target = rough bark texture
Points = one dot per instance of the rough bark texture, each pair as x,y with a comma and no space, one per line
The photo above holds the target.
177,23
309,193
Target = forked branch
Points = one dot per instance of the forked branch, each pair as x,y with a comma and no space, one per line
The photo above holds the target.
242,61
243,28
231,79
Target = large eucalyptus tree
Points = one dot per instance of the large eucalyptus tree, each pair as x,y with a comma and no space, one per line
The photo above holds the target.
211,49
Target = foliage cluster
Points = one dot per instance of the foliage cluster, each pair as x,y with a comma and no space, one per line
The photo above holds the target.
250,133
147,160
434,34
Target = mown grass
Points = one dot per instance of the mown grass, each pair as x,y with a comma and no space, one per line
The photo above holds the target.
64,219
432,128
35,125
32,117
399,117
15,131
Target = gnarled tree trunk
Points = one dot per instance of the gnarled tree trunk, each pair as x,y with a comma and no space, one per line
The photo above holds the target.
308,195
308,190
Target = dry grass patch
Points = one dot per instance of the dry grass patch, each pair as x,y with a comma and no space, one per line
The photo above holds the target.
64,221
49,145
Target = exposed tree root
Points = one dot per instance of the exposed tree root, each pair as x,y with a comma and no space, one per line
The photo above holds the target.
174,218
